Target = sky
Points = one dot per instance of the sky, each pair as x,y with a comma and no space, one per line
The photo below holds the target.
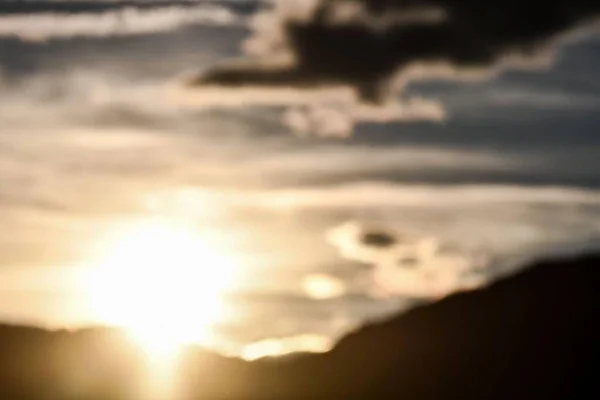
345,183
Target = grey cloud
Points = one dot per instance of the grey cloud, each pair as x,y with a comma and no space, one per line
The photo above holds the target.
85,6
373,48
329,50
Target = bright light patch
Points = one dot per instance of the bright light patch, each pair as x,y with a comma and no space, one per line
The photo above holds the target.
321,286
161,282
278,347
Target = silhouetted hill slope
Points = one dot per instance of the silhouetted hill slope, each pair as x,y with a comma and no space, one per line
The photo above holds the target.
534,335
531,336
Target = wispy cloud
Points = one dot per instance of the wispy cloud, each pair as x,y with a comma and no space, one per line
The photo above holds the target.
117,22
381,194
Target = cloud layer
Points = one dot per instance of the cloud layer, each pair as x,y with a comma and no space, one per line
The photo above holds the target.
374,48
364,43
116,19
88,140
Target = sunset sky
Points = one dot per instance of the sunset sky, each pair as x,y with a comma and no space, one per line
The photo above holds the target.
144,155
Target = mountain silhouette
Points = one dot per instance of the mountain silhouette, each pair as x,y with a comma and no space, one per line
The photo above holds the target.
533,335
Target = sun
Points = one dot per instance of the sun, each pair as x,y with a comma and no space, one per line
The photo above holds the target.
159,281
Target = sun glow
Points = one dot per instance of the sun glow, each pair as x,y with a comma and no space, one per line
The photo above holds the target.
161,282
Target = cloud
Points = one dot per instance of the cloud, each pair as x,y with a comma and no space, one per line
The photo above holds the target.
340,119
382,194
15,7
340,163
428,242
378,238
329,111
547,100
373,48
348,238
363,43
406,265
113,21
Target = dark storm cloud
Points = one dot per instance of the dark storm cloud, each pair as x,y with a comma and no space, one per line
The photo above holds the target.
364,43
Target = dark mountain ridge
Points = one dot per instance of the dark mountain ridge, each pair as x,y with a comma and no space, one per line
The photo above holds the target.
534,335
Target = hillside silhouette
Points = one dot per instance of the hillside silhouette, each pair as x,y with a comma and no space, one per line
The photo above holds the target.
534,335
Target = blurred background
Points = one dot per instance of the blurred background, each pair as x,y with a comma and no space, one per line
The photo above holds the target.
248,229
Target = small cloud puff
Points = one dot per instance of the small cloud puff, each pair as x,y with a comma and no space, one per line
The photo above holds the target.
406,265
